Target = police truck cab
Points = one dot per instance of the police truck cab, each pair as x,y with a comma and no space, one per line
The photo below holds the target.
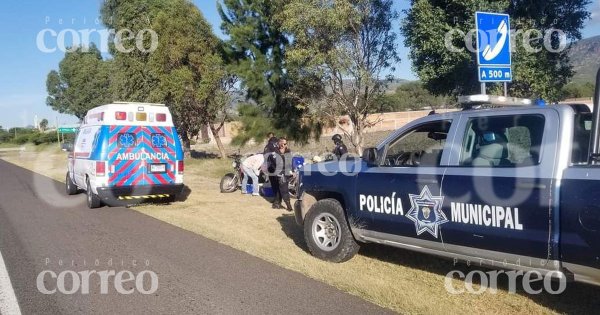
503,183
126,152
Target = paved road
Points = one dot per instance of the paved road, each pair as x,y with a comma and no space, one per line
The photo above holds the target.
39,227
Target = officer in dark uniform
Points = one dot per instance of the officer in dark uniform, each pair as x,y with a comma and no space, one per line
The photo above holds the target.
340,148
280,173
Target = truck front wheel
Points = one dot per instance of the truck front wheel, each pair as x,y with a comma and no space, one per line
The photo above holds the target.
327,234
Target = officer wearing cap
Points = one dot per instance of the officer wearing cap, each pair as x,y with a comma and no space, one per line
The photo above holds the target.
340,148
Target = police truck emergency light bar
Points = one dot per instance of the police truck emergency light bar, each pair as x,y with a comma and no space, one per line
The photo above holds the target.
492,100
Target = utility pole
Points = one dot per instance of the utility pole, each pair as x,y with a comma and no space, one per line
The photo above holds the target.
57,133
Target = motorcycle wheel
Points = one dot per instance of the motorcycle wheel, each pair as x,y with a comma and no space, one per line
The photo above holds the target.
293,187
229,183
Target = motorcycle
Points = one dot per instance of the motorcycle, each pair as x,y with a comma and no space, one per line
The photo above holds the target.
231,182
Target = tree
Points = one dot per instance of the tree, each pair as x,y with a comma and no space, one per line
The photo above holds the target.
256,53
5,136
189,71
409,96
430,27
578,90
81,83
43,125
347,46
133,78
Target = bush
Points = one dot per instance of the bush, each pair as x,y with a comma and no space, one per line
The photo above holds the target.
5,136
42,138
21,139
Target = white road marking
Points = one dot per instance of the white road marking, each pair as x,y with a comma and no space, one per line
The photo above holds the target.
8,300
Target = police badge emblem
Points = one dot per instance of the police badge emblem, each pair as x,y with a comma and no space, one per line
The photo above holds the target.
426,212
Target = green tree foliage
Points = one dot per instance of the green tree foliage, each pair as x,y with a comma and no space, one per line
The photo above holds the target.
5,136
134,79
255,52
535,74
190,73
345,46
254,124
578,90
167,53
409,96
81,83
44,124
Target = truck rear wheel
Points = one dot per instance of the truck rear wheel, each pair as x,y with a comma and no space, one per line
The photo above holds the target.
93,201
327,234
71,188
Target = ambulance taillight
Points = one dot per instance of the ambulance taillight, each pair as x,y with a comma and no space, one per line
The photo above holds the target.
100,168
179,167
120,115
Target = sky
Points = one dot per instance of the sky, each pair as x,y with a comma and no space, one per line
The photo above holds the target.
25,63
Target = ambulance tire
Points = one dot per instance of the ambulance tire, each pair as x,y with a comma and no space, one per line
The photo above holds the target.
70,186
172,198
93,201
327,234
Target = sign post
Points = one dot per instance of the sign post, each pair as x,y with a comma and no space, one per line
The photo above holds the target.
493,48
64,129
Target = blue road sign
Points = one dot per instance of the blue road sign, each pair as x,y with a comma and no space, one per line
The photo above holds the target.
495,74
493,44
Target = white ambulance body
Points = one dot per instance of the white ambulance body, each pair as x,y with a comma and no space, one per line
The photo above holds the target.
126,151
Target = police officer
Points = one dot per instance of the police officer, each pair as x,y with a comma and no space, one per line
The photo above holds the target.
272,143
280,173
340,148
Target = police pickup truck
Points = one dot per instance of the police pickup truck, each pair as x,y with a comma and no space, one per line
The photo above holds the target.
503,183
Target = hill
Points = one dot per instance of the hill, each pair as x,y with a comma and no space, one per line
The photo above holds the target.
585,58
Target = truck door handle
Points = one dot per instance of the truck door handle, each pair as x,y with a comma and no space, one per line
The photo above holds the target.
527,185
426,181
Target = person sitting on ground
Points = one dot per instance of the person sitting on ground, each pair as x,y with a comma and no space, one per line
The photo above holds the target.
251,168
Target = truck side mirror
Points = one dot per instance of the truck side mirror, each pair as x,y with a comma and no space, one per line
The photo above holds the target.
370,156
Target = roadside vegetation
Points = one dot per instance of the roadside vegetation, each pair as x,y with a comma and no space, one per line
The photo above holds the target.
21,136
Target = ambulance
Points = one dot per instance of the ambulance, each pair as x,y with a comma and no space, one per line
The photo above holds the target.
126,152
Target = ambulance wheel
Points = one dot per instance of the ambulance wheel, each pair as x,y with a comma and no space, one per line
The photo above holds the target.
172,198
70,186
93,201
327,234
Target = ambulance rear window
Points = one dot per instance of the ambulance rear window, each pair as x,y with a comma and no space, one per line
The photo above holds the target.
126,140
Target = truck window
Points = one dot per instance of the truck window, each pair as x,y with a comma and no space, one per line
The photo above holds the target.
582,130
503,141
421,146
